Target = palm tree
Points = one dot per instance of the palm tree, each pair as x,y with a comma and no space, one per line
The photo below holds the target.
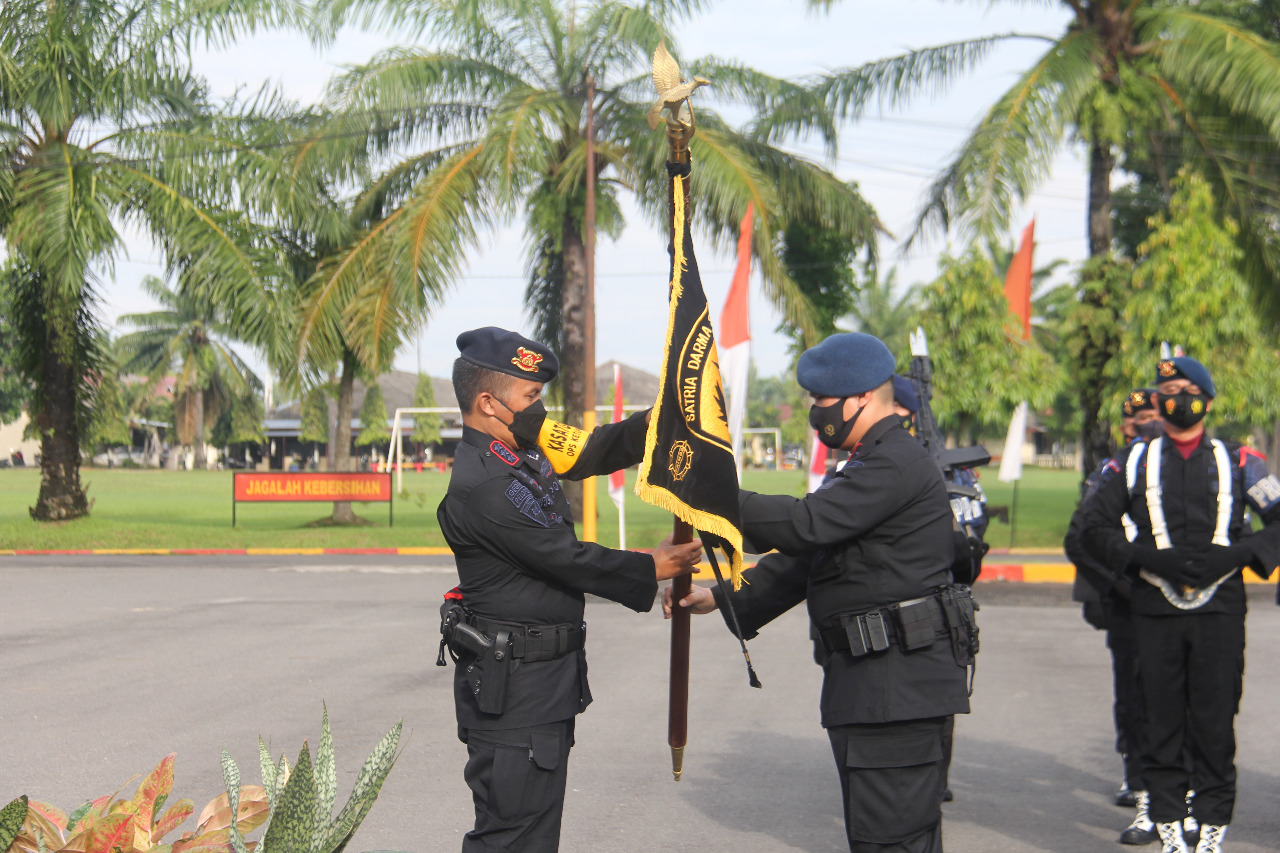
1126,78
191,337
883,309
101,122
508,89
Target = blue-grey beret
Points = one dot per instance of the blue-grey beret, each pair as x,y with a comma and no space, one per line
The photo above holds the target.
845,365
508,352
1185,367
904,393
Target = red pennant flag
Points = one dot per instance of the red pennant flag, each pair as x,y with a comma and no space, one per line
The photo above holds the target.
1017,281
735,337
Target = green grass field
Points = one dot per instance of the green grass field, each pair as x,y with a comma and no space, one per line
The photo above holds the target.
192,509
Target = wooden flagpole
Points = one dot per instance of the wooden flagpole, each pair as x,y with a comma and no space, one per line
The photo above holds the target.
682,532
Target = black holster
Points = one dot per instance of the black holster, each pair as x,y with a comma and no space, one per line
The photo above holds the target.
486,659
959,609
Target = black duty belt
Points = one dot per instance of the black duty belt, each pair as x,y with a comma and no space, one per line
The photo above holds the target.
532,643
911,624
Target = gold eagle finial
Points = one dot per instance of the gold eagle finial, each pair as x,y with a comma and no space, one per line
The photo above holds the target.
673,92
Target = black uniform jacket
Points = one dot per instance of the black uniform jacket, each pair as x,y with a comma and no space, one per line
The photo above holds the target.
520,561
1095,580
1189,489
876,533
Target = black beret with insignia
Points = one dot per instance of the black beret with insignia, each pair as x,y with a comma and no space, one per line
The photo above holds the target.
1138,399
1185,367
508,352
845,365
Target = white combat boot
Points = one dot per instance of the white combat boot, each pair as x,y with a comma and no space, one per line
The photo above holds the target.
1211,836
1171,838
1142,830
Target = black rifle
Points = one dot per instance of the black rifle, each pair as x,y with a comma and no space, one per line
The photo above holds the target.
968,502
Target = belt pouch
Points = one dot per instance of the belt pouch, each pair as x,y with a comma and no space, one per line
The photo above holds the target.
855,630
877,631
917,623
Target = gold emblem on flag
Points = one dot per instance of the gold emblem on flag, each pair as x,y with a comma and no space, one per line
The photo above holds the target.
527,360
680,459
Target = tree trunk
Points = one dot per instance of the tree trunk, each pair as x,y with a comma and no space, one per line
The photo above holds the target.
342,512
573,347
61,496
1095,434
201,458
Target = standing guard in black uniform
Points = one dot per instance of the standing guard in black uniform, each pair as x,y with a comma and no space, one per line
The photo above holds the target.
871,551
1105,598
1184,496
515,622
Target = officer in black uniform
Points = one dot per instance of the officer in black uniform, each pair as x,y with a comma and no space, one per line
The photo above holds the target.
515,623
871,551
1184,497
1105,597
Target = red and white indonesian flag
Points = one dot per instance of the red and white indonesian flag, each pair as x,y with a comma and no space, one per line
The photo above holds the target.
734,339
817,462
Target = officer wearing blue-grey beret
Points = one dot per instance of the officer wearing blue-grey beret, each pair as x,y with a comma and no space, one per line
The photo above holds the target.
1172,522
871,552
515,620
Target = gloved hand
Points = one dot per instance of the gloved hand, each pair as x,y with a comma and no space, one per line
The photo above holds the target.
1213,561
1168,563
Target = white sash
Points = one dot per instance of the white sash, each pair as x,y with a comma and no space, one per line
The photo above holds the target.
1187,598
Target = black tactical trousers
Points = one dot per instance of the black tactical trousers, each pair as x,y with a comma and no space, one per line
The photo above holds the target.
1192,674
891,778
517,780
1122,640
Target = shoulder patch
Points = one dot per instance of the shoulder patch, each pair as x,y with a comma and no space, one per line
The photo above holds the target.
504,453
523,500
1246,452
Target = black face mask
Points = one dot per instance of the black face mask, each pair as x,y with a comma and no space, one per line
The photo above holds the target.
1149,431
1184,409
526,424
829,421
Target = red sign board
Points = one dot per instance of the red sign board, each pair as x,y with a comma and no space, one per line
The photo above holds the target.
312,487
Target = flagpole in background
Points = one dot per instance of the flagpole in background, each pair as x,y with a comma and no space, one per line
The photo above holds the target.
589,509
1017,289
618,479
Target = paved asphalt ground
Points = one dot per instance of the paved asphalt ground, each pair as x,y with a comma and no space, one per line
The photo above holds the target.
107,664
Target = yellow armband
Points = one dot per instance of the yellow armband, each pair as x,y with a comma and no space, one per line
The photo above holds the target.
562,444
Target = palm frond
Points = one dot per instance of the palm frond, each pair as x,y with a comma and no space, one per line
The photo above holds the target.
1012,148
893,82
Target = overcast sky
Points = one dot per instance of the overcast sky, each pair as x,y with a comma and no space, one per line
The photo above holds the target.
893,158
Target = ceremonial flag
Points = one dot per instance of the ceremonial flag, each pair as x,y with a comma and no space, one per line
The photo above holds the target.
1017,281
817,462
735,337
618,479
688,468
